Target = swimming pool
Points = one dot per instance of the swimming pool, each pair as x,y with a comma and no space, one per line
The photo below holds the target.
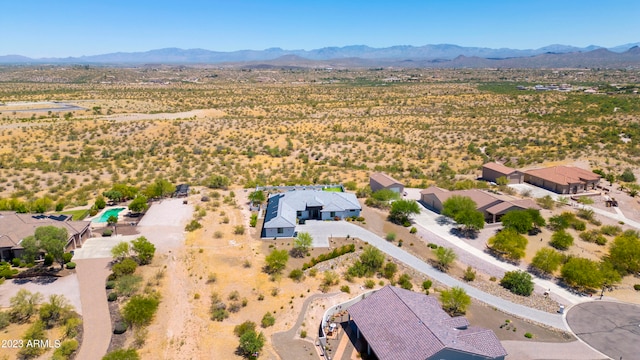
105,215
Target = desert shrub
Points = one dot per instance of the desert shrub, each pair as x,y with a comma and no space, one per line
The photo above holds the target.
561,240
528,335
212,278
390,236
56,311
238,230
5,319
23,305
303,334
426,285
636,287
65,350
593,236
110,284
345,289
34,333
6,271
405,282
218,308
546,202
48,260
193,226
345,249
66,257
234,307
144,249
369,284
113,296
251,343
611,230
239,330
296,274
120,328
586,214
126,267
455,301
267,320
469,274
254,220
72,327
140,310
518,282
122,354
71,265
330,278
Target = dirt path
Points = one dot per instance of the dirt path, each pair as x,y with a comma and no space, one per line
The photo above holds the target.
96,322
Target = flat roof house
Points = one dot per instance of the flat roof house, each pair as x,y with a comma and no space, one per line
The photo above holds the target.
284,210
562,179
14,227
379,181
493,170
491,206
399,324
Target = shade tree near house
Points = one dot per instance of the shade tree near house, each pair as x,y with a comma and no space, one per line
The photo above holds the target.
624,253
144,249
509,244
523,220
301,244
159,188
257,197
402,209
463,210
139,204
50,239
455,301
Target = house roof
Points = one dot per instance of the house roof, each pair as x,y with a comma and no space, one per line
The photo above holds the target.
400,324
14,227
505,170
282,208
384,179
480,197
506,205
564,175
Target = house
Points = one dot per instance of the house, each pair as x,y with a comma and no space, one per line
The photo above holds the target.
493,170
379,181
399,324
182,190
492,206
285,210
14,227
562,179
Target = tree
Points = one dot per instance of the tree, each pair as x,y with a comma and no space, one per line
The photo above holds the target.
23,305
624,253
627,175
31,249
561,240
100,202
144,249
276,261
112,220
217,182
444,258
121,250
160,188
402,209
301,244
251,343
508,243
582,273
518,220
140,310
372,259
53,241
139,204
34,334
56,311
389,270
547,260
113,195
518,282
463,210
257,197
246,326
455,301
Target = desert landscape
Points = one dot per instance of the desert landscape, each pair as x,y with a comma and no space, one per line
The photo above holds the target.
68,134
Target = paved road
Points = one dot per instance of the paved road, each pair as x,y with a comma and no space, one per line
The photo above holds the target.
343,228
96,321
533,350
610,327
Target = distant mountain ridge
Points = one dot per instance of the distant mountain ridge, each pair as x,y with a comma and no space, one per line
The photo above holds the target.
441,53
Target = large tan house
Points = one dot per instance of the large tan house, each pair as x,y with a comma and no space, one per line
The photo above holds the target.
562,179
493,170
14,227
492,206
379,181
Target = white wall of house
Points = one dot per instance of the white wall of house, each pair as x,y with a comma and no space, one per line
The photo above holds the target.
284,232
328,215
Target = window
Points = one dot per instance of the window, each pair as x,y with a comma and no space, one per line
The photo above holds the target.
332,214
299,213
280,230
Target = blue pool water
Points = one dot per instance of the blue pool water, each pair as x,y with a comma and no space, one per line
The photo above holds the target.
106,214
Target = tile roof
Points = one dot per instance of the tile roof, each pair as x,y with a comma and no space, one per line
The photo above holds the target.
480,197
400,324
564,175
499,168
14,227
384,179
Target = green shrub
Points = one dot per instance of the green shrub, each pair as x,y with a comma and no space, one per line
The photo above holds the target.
126,267
110,284
239,330
518,282
193,226
6,272
413,230
345,249
561,240
405,282
636,287
48,260
369,284
65,350
113,296
140,310
296,274
122,354
426,285
391,236
71,265
469,274
107,232
528,335
345,289
66,257
16,262
433,246
5,319
611,230
303,334
120,328
267,320
254,220
128,285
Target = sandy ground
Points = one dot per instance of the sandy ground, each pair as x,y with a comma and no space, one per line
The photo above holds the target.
165,116
67,286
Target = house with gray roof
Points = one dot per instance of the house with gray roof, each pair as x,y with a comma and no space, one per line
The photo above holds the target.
398,324
14,227
285,210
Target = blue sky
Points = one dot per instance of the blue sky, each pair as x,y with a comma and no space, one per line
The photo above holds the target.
44,28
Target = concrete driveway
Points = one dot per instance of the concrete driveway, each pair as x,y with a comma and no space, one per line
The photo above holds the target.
610,327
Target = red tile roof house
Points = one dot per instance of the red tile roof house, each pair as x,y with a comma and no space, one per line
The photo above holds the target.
379,181
398,324
15,227
492,171
491,206
562,179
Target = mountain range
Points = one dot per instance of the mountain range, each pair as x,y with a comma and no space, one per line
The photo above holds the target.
441,55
